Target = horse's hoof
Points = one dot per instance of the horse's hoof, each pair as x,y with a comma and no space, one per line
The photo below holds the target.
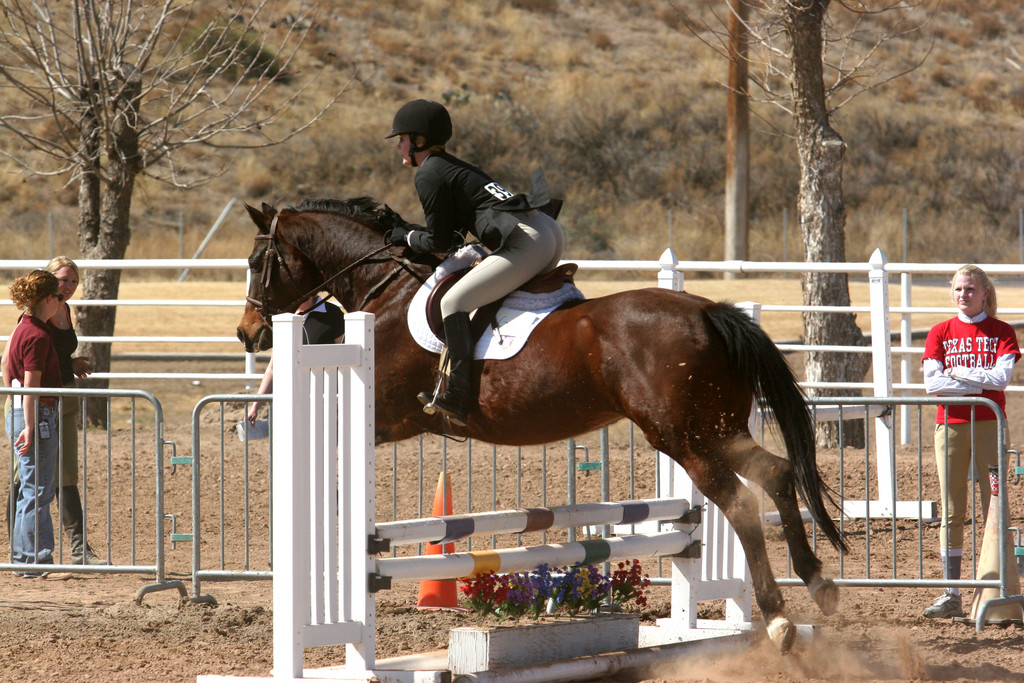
782,632
826,593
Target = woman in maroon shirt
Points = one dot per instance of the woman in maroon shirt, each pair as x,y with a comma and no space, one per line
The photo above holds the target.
32,422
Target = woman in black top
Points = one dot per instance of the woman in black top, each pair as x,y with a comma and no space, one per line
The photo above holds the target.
65,341
459,199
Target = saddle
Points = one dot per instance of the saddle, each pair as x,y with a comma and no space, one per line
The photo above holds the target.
550,281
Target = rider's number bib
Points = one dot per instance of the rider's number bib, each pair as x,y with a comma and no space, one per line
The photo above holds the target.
499,192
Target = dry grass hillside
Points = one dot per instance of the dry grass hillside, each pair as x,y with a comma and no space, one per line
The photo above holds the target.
625,109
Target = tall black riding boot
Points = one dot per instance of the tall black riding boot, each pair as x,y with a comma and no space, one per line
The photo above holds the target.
73,520
458,395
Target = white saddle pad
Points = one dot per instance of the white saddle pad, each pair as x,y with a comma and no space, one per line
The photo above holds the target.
520,313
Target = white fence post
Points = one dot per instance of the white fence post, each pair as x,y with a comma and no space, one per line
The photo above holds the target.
886,502
291,509
324,495
360,484
668,276
721,572
881,375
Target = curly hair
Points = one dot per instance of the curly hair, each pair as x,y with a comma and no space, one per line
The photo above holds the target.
28,290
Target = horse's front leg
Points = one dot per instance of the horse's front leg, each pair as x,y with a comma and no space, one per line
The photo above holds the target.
740,507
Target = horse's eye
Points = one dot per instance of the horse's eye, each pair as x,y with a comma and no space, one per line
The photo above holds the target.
255,259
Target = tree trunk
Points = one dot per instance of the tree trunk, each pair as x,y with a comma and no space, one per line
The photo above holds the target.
822,218
104,227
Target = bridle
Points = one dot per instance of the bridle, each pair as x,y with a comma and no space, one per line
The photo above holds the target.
273,254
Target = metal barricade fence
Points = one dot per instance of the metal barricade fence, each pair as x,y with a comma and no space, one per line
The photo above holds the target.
890,545
234,510
121,484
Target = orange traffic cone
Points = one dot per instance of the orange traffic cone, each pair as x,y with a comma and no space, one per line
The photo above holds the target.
440,594
988,565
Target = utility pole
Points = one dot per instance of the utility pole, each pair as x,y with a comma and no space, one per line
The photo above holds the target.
737,138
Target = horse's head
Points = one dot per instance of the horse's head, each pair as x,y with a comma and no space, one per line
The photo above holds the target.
334,245
281,279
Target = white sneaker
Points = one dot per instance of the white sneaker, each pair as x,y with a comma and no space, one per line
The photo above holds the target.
947,606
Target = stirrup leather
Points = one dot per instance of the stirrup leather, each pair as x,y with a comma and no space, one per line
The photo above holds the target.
426,398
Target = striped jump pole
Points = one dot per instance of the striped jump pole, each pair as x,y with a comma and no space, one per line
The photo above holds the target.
456,527
590,552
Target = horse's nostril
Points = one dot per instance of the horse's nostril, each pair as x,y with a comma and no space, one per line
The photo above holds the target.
264,338
245,341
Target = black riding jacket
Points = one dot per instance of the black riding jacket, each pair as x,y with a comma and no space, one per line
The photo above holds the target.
459,198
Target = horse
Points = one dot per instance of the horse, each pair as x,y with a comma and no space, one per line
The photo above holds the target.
683,368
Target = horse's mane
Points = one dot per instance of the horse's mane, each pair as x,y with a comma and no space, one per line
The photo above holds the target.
364,209
368,212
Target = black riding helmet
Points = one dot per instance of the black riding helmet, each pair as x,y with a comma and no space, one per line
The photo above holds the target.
422,117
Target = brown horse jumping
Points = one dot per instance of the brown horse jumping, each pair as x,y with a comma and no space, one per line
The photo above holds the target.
684,369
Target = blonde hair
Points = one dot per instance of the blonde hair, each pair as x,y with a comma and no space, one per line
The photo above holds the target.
28,290
981,279
58,262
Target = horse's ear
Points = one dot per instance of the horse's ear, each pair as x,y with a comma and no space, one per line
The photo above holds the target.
262,218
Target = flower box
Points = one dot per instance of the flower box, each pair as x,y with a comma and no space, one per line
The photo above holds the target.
473,649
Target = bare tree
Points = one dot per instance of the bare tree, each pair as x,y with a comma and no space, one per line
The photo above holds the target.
825,64
102,91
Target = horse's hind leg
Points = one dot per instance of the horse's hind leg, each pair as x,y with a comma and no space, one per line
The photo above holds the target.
775,476
739,505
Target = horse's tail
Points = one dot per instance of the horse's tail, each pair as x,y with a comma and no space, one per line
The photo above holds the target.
760,362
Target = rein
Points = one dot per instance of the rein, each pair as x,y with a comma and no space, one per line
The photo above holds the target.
373,293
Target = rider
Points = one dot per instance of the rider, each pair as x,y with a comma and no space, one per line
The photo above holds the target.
460,199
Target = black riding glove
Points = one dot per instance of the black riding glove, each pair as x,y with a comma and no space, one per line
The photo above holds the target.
389,217
399,235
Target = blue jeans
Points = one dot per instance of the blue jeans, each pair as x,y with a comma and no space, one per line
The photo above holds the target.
32,537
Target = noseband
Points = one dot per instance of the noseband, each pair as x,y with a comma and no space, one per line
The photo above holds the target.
272,254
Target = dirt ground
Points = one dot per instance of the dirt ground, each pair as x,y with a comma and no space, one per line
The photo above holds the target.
89,627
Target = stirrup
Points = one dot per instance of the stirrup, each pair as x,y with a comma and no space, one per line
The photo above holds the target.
450,415
426,398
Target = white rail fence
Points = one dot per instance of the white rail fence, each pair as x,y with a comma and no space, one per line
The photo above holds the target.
668,272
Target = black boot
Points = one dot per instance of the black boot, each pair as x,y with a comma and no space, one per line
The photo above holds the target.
73,520
458,395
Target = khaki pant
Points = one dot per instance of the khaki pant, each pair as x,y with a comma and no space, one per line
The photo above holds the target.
533,248
953,459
